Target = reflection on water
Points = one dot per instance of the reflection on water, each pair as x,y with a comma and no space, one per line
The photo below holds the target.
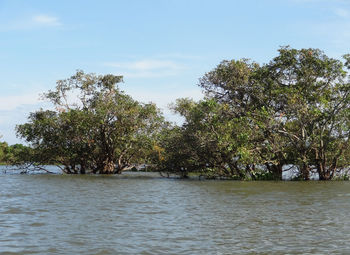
138,213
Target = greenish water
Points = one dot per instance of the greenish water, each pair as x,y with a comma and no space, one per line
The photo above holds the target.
139,213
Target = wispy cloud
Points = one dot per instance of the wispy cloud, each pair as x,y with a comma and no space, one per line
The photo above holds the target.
332,30
336,34
9,103
163,99
179,56
342,13
46,20
31,22
316,1
147,68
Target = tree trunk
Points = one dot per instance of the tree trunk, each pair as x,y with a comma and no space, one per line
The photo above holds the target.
82,168
325,176
108,167
277,171
305,172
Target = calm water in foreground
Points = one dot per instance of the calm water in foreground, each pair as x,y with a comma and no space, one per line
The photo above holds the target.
139,213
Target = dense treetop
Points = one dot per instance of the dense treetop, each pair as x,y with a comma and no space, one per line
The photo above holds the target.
255,122
95,127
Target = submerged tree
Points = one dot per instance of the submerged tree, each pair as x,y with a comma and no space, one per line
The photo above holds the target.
293,111
13,154
243,88
254,121
315,92
217,143
95,126
299,103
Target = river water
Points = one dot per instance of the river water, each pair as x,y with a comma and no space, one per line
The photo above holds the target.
141,213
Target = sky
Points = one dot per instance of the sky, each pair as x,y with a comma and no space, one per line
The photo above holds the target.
161,47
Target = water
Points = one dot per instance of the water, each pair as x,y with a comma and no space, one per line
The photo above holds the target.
140,213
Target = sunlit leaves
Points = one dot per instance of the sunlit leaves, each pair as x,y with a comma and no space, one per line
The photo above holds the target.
96,127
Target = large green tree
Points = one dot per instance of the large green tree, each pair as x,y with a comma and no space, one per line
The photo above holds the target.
244,87
209,142
95,127
298,103
315,93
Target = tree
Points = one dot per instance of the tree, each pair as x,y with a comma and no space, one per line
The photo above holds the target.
298,103
244,87
13,154
208,143
95,126
315,92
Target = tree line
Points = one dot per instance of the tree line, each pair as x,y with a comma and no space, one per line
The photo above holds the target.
254,122
13,154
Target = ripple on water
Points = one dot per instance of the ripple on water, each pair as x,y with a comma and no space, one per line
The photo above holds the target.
37,224
142,214
13,210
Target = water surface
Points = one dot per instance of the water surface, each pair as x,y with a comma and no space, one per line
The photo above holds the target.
140,213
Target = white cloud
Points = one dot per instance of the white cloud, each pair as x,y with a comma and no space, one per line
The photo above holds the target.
9,103
342,13
316,1
143,65
306,1
30,22
164,98
46,20
178,56
336,33
147,68
14,109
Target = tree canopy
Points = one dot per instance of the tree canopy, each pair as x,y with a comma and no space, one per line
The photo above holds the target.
95,126
254,122
293,110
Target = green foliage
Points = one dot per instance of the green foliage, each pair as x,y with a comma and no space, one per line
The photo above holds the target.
344,177
210,142
291,111
254,120
264,176
13,154
315,92
102,130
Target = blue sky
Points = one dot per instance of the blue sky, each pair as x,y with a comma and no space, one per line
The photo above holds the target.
161,47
